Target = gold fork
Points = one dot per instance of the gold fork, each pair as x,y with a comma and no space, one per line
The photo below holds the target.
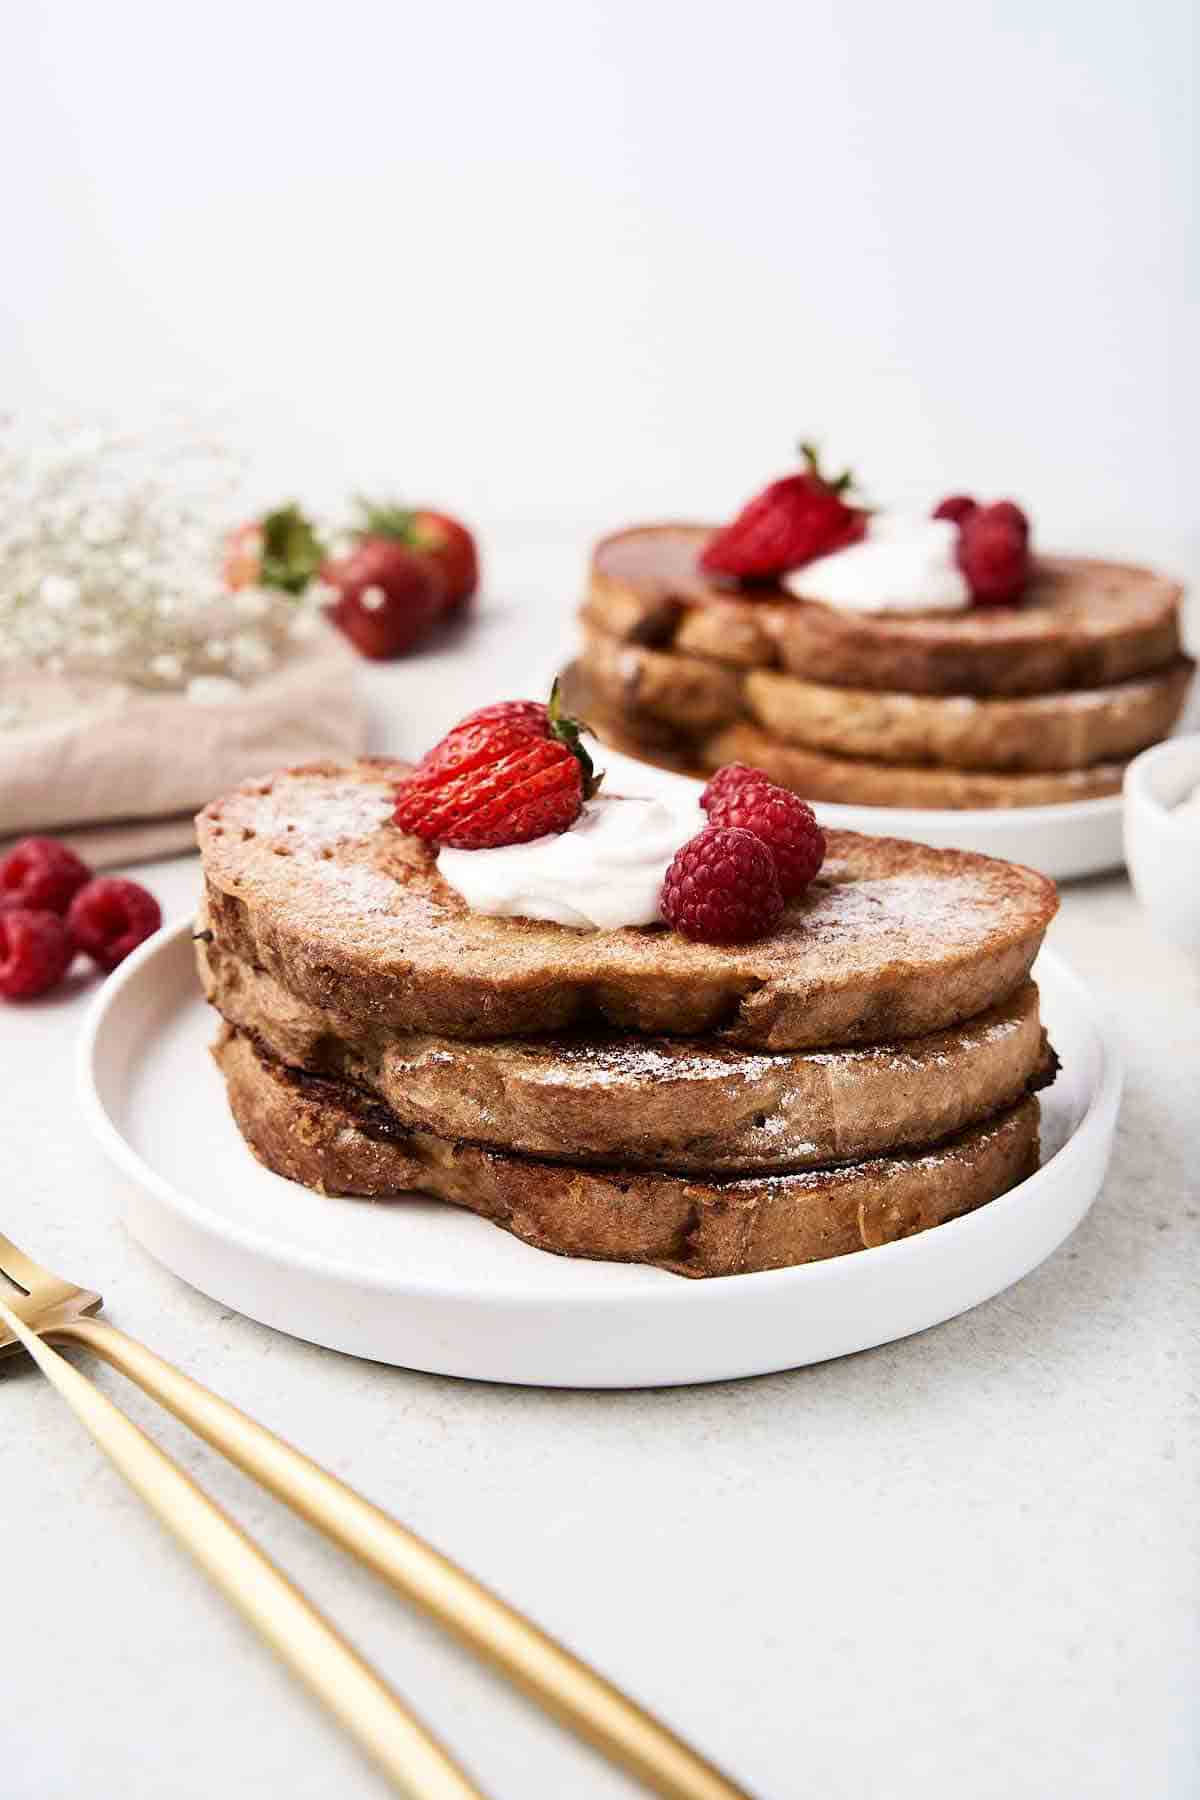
370,1710
577,1695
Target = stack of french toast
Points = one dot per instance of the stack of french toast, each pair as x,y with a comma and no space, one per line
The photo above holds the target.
866,1069
1035,702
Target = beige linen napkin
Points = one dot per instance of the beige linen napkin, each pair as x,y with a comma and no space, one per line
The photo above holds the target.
119,773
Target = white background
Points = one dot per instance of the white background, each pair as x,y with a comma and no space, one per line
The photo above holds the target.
561,266
602,259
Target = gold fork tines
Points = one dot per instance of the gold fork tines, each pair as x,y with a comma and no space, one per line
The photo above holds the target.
567,1687
41,1299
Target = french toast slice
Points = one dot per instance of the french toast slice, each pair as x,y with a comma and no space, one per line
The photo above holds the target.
857,781
1021,733
666,1103
691,693
307,878
327,1136
819,774
1083,623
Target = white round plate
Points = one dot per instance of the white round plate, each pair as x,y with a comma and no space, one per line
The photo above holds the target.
1080,837
427,1286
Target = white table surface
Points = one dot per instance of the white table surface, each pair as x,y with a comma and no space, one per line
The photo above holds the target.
965,1564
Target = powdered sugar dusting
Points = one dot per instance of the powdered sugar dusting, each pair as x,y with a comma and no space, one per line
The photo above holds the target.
313,819
639,1060
964,1149
319,814
958,909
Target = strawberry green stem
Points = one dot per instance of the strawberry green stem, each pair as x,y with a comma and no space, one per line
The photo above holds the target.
812,461
569,731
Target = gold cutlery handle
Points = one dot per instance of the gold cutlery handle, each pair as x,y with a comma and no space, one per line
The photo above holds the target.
577,1695
329,1667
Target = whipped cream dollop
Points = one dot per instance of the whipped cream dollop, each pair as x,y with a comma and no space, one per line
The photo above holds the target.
906,563
605,871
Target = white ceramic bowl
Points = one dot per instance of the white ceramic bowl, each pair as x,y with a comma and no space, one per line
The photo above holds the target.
1161,847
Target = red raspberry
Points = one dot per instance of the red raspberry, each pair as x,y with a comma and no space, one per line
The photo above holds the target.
41,875
722,888
956,507
993,554
783,822
35,952
111,917
729,781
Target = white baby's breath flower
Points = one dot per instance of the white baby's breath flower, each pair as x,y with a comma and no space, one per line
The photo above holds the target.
337,538
252,603
212,690
111,551
305,625
100,525
248,654
85,442
58,591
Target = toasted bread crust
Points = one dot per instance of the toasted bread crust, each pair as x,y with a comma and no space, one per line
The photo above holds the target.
1025,733
688,692
1084,623
1038,732
820,775
326,1136
666,1103
307,878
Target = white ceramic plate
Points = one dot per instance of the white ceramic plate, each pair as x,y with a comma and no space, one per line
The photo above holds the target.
427,1286
1081,837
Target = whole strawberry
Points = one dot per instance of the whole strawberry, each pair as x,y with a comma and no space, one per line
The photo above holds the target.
281,550
243,556
783,822
993,553
389,597
500,777
722,888
451,546
788,524
443,541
